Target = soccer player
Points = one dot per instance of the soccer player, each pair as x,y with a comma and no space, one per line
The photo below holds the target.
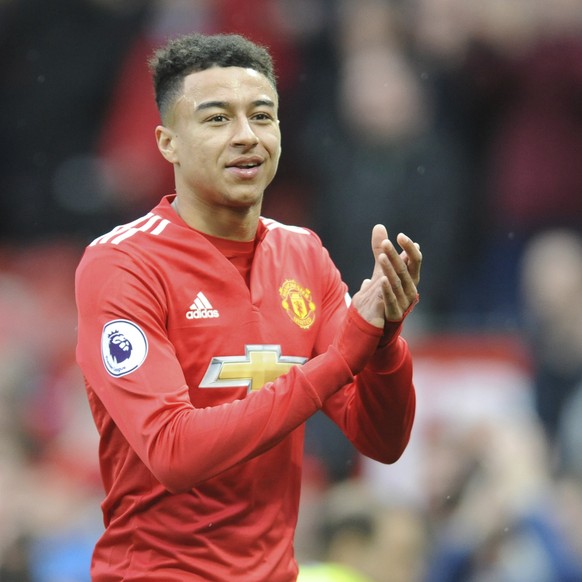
208,335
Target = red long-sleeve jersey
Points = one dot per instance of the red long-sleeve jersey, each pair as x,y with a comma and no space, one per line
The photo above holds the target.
200,384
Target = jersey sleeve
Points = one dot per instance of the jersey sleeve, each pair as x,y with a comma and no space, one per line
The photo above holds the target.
375,411
148,401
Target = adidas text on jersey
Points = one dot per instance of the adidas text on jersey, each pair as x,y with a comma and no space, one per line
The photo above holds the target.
201,308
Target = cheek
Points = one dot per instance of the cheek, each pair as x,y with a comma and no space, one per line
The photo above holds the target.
273,144
198,155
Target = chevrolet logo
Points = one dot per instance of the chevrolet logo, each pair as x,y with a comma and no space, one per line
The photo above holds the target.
259,365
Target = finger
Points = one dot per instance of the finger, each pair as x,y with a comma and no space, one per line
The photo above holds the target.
365,284
394,300
379,236
411,255
402,276
393,309
411,248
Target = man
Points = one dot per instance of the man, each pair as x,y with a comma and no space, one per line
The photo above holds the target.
236,330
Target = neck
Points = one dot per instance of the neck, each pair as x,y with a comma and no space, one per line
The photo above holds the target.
223,222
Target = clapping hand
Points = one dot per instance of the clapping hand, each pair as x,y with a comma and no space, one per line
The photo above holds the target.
392,289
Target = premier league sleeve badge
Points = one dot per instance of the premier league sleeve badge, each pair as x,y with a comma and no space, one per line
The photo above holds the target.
124,347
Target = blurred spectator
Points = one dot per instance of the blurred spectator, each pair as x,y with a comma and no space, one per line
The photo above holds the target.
569,436
329,573
134,172
365,540
382,158
440,35
49,480
494,510
522,74
551,292
57,62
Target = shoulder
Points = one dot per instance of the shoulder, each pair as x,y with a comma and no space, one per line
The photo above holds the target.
141,230
272,225
152,226
285,233
296,244
129,247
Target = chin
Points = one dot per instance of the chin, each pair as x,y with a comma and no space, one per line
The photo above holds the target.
243,200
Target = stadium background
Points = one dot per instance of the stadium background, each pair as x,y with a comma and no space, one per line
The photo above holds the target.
456,121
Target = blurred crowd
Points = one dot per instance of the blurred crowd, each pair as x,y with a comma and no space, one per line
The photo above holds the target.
456,121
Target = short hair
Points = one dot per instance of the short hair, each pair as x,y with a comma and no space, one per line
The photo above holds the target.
191,53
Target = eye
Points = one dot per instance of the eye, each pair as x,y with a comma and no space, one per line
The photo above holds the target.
218,118
262,116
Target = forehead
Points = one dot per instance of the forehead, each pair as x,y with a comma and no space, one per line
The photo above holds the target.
230,84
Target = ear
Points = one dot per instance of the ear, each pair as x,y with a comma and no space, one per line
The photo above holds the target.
166,141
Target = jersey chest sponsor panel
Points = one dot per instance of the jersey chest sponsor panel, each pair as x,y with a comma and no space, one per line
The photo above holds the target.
229,346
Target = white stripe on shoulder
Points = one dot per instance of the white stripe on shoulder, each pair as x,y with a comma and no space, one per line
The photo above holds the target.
150,223
271,224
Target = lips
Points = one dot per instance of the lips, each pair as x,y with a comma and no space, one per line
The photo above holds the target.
245,168
246,162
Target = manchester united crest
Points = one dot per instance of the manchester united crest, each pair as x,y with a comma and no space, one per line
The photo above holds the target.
298,303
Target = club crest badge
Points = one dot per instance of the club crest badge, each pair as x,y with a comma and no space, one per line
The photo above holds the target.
123,347
298,303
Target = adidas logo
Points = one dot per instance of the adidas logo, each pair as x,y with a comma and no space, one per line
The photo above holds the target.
201,308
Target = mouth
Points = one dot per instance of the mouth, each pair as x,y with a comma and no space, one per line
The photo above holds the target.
245,163
245,169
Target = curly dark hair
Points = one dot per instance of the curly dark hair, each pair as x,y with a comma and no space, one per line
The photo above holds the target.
196,52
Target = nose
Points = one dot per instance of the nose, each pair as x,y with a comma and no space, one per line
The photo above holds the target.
243,134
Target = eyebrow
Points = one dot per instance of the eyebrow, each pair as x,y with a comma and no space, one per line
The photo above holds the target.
226,104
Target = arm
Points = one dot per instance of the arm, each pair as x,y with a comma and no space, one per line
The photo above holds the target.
150,406
376,412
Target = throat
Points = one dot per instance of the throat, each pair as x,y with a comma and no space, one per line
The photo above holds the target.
226,222
239,253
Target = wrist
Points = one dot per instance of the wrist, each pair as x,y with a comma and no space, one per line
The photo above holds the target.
357,340
392,329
